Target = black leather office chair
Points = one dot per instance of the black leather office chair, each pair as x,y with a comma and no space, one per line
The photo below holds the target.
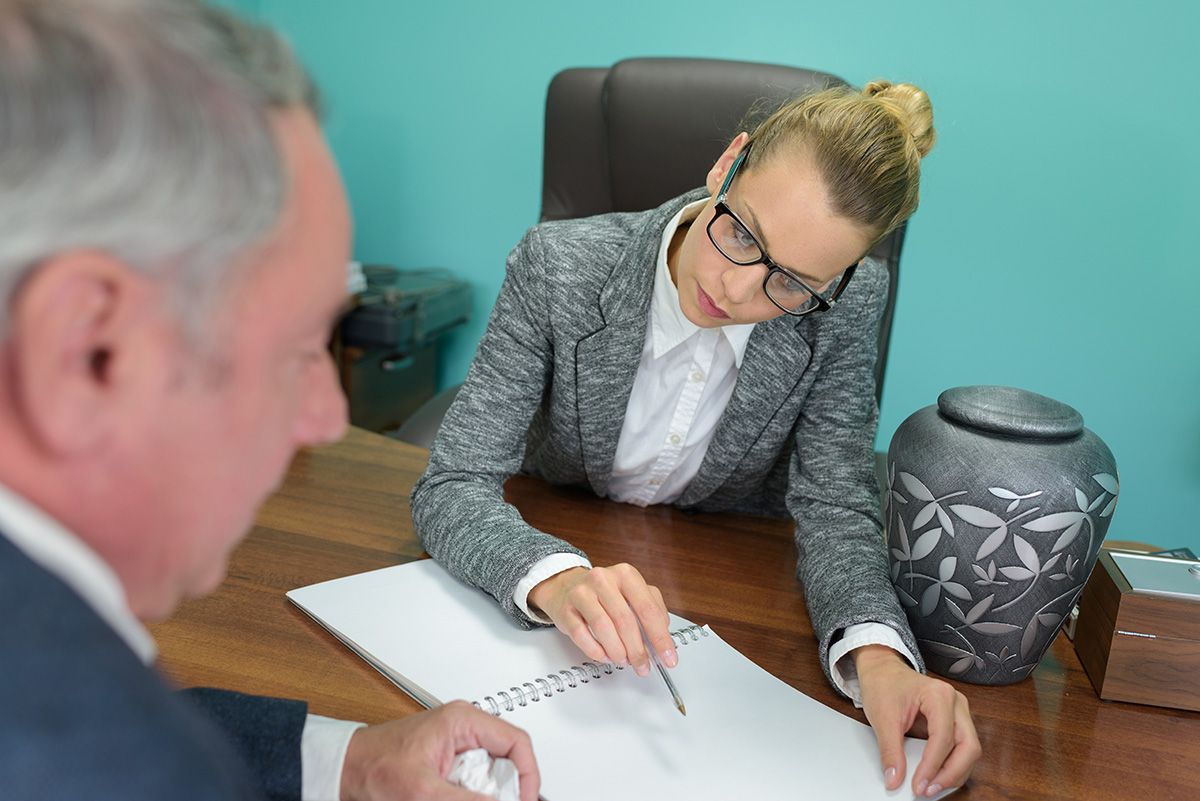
631,136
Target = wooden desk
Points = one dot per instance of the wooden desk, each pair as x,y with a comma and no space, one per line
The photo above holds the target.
344,509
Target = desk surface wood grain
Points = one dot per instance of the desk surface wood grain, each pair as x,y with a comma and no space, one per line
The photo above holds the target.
344,509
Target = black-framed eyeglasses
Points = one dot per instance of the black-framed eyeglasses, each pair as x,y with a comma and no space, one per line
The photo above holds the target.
732,238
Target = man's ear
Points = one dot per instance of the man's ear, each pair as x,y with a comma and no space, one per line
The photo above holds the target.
716,175
79,336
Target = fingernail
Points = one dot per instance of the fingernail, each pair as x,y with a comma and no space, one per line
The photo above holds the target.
670,658
933,790
642,670
889,775
921,785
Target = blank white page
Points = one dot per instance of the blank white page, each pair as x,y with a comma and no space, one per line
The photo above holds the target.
434,632
746,734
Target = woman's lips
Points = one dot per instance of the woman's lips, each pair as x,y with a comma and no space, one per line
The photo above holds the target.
707,306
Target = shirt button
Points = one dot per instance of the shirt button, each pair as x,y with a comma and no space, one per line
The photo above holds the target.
673,439
698,376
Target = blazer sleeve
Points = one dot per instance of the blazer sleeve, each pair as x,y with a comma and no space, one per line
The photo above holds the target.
264,732
458,505
833,494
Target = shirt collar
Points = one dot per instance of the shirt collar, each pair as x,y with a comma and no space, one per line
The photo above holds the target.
668,325
58,551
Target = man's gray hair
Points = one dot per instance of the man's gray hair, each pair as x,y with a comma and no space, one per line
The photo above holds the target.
140,128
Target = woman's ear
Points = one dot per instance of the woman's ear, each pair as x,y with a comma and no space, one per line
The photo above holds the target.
725,161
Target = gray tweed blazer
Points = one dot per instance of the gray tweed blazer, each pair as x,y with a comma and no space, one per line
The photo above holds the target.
548,389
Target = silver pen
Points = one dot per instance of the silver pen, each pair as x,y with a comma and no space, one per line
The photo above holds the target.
663,672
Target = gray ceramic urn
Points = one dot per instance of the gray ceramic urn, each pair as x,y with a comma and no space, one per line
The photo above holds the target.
997,502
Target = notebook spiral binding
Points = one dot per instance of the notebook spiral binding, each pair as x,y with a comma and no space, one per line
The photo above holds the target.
534,691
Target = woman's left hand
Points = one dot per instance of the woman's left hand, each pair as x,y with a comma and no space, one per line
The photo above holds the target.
898,701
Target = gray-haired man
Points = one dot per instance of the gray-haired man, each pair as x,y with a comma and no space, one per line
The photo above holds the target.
172,238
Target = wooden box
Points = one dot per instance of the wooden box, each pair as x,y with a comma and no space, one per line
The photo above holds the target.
1138,634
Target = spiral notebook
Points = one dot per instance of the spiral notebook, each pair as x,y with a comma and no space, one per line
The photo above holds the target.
600,731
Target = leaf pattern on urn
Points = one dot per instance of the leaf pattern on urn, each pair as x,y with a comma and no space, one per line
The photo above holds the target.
1015,575
926,543
1009,495
1112,486
996,502
915,487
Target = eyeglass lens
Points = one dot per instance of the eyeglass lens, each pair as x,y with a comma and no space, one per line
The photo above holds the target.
739,246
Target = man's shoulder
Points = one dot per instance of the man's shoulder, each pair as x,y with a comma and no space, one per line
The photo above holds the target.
83,717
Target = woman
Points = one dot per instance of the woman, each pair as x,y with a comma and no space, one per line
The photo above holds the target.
716,353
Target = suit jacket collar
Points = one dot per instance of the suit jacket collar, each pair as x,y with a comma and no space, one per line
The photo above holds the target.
45,542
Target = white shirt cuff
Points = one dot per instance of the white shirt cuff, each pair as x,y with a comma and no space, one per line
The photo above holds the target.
841,661
543,569
323,747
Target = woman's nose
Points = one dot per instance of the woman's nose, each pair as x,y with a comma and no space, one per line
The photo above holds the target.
742,284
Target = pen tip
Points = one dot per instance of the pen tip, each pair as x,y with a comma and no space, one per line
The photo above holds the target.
682,709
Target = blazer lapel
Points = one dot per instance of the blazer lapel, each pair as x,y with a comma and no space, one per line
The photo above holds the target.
606,363
607,356
775,360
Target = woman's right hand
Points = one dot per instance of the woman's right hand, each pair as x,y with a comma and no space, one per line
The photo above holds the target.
600,609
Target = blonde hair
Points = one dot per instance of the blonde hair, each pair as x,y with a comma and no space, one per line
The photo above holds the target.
866,144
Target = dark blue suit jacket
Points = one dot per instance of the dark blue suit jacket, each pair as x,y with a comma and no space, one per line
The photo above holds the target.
82,718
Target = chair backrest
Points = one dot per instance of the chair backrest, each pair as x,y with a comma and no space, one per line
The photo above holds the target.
631,136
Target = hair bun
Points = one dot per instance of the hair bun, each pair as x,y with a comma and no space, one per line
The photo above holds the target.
911,106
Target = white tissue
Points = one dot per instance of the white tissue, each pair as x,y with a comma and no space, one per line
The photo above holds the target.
478,772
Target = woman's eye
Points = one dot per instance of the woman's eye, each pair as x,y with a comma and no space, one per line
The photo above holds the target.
742,238
786,285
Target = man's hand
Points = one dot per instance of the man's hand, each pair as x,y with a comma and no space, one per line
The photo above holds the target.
898,701
409,758
599,610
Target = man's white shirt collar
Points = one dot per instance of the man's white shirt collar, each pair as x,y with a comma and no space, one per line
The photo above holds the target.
58,551
668,325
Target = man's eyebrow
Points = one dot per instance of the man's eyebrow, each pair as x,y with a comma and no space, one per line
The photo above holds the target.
808,279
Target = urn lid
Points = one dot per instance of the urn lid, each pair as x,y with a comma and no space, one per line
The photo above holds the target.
1011,411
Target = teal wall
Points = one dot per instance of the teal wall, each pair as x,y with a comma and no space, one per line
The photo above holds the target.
1054,248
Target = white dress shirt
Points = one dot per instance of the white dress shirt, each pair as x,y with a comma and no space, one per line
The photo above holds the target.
324,740
684,381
